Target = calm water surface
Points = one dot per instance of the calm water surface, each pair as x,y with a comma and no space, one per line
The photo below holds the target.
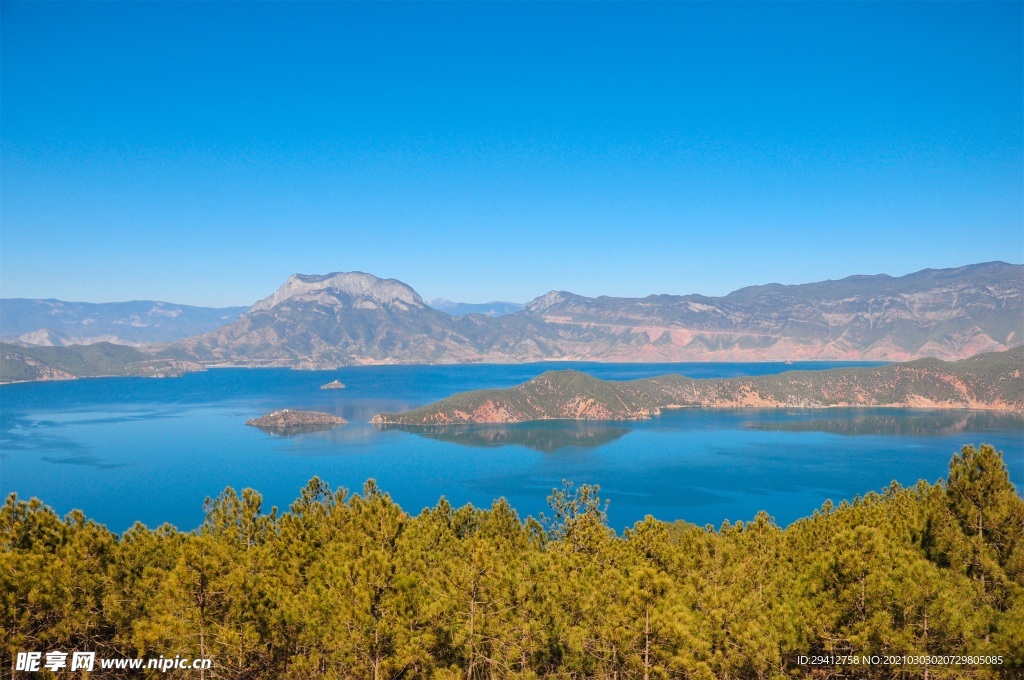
126,449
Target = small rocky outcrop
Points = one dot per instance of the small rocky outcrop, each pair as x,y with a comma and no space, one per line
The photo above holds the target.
289,422
333,385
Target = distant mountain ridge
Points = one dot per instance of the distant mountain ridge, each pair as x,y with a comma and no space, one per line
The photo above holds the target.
347,318
355,318
946,313
140,322
990,381
486,308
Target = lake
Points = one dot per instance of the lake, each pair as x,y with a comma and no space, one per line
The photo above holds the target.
127,449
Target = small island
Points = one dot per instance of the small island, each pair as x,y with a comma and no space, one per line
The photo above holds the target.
333,385
288,422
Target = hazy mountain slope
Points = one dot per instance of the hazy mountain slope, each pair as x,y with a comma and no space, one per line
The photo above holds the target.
990,381
20,362
55,322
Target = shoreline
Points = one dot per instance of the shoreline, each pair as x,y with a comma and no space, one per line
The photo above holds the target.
867,363
851,407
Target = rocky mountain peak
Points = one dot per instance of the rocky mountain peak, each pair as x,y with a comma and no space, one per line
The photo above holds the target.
354,284
548,301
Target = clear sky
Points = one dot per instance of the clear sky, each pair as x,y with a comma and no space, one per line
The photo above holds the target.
202,152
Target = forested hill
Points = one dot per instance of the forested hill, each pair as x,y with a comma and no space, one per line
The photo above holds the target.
351,586
988,381
19,362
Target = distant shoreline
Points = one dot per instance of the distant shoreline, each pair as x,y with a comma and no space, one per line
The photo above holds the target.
546,362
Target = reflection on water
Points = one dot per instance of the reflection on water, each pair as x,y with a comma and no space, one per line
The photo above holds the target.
292,430
546,436
80,459
552,435
28,434
902,422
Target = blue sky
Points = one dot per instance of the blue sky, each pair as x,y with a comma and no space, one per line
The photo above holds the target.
200,153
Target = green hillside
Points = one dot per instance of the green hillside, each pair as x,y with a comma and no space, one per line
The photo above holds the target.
989,381
18,362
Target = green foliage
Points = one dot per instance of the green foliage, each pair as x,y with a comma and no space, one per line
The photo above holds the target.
350,586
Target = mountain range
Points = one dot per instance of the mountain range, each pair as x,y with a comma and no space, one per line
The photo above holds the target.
356,318
339,319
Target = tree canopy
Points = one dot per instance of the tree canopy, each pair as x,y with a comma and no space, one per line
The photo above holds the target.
351,586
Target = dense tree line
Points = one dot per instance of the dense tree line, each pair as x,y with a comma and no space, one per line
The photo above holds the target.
351,586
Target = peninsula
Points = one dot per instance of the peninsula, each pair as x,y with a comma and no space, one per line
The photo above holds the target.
991,381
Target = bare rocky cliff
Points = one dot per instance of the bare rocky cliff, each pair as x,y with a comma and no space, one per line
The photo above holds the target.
366,288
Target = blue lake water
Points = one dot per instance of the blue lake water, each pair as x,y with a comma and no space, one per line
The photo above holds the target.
127,449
